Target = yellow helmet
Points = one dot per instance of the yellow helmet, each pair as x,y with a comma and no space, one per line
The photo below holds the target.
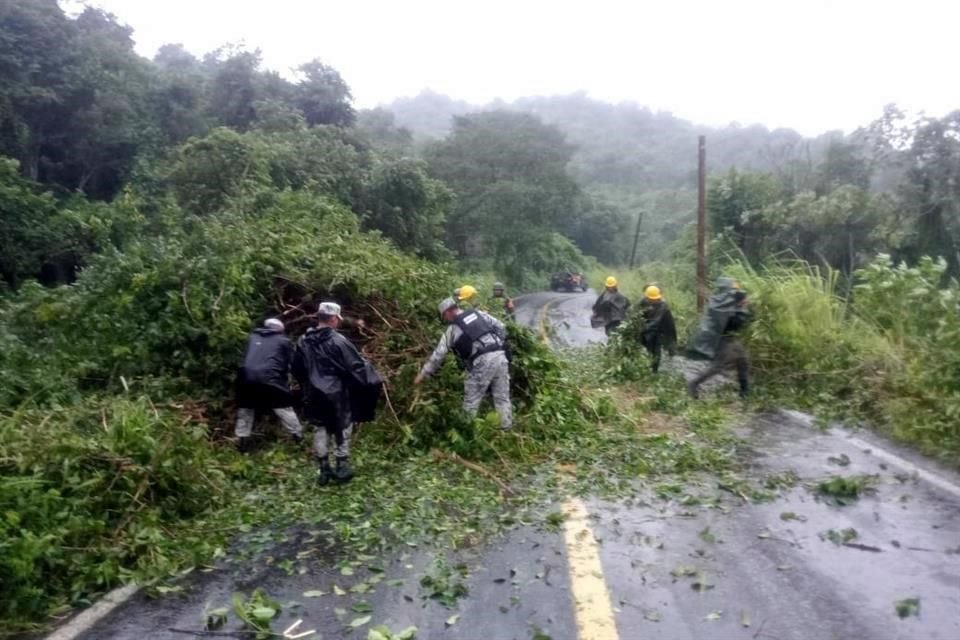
653,293
466,292
610,282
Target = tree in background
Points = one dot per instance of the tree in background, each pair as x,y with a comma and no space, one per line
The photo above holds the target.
233,86
843,164
72,96
931,189
509,173
177,94
379,128
408,206
323,96
38,67
736,202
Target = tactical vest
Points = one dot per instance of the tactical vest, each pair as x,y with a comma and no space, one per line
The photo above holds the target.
474,326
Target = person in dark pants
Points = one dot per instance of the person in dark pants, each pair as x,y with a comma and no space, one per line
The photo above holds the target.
611,306
329,367
730,351
500,298
263,383
659,331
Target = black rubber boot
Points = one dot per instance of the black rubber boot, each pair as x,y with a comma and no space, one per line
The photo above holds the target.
324,473
693,390
245,445
744,389
344,473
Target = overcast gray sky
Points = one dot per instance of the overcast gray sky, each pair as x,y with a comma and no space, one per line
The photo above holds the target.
813,65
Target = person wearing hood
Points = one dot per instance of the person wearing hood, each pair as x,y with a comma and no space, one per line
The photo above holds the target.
500,297
479,342
726,317
328,367
263,383
611,306
658,331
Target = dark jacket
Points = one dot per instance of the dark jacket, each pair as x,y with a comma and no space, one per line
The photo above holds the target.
611,306
335,378
658,325
726,315
267,360
263,378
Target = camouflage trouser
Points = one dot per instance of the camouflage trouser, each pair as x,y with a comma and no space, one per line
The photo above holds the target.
730,353
323,439
288,418
489,371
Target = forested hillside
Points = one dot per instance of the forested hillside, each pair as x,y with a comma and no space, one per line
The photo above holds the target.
887,185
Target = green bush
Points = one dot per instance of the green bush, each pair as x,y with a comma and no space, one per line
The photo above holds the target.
918,313
96,487
805,340
86,496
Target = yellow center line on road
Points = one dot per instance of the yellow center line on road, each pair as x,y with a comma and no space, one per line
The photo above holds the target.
591,600
543,327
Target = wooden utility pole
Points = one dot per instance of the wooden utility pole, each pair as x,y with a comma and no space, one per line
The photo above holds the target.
636,238
702,225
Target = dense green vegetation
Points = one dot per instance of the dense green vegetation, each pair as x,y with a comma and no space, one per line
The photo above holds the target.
130,286
832,200
883,353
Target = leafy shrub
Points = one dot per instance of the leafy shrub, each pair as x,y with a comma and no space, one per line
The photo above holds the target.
917,312
806,342
96,487
86,492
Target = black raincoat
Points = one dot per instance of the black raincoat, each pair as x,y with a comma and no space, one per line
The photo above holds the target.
611,306
658,327
340,387
263,378
725,316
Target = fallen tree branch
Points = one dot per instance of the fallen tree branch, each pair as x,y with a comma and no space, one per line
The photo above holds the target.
473,466
186,305
863,547
380,315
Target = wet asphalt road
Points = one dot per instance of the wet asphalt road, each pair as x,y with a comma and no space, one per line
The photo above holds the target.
566,317
760,564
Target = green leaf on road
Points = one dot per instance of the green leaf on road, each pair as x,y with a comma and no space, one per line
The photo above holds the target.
786,516
264,613
356,623
842,536
908,607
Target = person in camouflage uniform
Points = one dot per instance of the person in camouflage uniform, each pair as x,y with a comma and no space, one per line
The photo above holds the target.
728,314
479,341
500,296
